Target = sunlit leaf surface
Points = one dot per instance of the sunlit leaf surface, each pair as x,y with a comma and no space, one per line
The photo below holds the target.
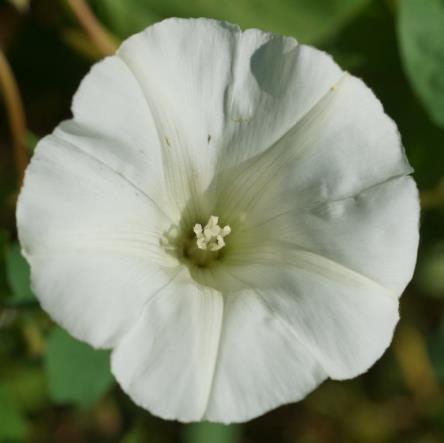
421,38
308,20
76,373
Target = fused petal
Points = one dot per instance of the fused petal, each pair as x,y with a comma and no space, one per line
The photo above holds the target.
219,95
177,341
113,123
344,320
92,239
262,364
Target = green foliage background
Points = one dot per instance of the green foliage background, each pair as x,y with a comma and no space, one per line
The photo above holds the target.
56,389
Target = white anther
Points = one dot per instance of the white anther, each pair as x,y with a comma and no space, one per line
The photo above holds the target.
211,236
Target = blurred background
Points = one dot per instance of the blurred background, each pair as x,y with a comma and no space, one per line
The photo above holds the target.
56,389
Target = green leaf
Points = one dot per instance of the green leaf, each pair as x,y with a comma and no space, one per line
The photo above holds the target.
308,20
134,436
12,422
125,17
76,372
18,274
211,432
27,384
421,38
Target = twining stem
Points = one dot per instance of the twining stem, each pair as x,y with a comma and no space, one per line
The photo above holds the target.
104,42
16,115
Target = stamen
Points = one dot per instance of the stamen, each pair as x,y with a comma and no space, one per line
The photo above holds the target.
211,237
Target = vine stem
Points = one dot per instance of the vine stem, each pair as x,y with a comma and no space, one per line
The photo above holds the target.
16,115
101,38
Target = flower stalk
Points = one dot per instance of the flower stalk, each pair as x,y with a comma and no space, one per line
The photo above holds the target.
16,115
101,38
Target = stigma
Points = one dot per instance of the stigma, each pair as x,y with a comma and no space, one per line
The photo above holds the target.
211,236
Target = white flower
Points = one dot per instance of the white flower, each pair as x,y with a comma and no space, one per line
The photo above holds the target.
229,212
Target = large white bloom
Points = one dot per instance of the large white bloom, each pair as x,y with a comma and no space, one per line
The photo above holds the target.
230,212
